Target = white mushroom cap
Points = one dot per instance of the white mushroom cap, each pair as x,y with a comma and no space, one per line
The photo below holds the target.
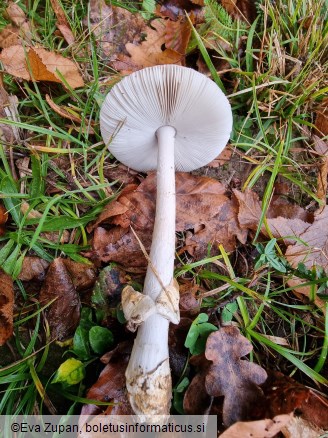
160,96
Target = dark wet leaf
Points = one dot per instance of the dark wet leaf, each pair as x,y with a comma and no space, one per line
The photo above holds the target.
81,345
64,313
101,339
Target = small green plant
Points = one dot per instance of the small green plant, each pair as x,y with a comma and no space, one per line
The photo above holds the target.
91,339
198,334
268,257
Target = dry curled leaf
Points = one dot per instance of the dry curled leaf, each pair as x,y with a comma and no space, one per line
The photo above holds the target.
67,113
36,63
6,307
15,14
235,379
62,22
64,313
299,428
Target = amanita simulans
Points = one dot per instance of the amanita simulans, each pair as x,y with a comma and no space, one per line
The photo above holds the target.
166,118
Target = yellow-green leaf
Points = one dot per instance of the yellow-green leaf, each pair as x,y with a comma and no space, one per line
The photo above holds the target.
70,372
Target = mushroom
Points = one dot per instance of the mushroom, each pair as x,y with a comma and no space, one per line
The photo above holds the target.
166,118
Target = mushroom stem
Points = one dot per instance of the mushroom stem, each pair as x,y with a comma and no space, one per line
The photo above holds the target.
148,374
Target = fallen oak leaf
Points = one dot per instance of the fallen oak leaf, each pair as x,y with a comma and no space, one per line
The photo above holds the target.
6,307
235,379
150,52
36,63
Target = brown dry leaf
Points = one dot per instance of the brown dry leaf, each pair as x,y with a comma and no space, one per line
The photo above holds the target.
62,22
177,35
165,43
34,268
235,379
258,429
17,32
62,111
6,307
9,36
13,60
311,249
281,227
40,65
15,14
202,210
321,122
321,148
3,219
66,113
222,159
64,313
285,395
240,9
